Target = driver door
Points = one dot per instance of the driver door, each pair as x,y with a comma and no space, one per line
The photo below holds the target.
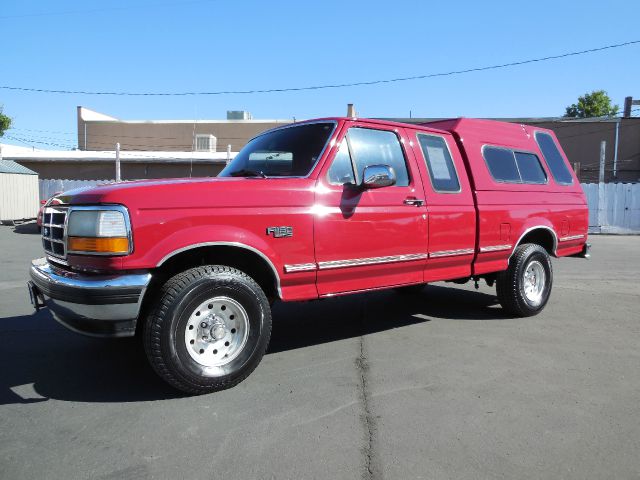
369,238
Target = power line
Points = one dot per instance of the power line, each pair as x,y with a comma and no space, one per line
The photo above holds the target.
326,86
44,131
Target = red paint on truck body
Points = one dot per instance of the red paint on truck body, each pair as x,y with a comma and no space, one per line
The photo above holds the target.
341,237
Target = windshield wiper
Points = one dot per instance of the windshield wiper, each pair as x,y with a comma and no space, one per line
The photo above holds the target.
245,172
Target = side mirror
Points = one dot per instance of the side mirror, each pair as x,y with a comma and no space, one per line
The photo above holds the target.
378,176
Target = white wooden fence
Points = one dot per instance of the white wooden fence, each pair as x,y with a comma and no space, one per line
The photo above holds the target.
613,207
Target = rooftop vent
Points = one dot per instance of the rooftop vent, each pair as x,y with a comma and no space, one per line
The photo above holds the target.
239,115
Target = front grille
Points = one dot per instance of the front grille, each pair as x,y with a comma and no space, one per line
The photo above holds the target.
53,231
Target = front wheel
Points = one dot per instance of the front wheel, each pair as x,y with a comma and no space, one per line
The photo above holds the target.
209,329
524,288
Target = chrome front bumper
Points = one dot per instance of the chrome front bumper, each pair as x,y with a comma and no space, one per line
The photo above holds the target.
95,305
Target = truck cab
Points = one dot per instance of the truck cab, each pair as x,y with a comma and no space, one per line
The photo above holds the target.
306,211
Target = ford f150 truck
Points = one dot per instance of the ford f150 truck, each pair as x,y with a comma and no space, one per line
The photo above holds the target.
305,211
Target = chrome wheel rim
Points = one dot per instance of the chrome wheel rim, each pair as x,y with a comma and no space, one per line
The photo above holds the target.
534,281
216,332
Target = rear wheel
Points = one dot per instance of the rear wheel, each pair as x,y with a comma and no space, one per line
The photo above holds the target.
524,288
209,329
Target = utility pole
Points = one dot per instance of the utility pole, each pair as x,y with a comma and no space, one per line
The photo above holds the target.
603,147
351,110
118,162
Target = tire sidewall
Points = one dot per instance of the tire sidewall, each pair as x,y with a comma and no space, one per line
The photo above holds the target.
178,316
537,254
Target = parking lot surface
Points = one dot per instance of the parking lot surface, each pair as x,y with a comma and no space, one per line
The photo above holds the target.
379,385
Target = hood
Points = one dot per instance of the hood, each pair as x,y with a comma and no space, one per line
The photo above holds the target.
194,193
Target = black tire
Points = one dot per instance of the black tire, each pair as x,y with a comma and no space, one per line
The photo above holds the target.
165,328
510,284
410,289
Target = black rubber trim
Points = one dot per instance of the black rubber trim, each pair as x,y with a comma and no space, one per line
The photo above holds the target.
99,328
585,253
88,296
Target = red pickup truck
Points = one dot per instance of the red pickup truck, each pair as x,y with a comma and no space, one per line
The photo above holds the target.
306,211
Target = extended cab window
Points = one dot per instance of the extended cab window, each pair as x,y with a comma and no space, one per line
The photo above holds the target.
363,147
439,163
285,152
509,166
554,159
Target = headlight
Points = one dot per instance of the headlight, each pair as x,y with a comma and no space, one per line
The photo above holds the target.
103,231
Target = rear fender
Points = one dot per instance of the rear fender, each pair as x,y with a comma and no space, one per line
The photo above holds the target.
537,224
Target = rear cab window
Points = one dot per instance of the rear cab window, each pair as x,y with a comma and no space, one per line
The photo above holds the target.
553,157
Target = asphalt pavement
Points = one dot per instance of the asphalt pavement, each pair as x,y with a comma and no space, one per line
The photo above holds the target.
440,385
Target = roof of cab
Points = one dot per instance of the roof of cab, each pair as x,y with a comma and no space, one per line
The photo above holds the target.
374,121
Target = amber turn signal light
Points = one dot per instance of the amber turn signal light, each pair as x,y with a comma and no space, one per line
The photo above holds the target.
99,245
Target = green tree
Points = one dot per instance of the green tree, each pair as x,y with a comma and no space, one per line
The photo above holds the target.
594,104
5,122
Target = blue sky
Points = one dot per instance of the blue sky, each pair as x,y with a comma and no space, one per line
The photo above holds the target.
213,45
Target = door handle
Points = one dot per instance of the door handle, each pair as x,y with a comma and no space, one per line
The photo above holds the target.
417,202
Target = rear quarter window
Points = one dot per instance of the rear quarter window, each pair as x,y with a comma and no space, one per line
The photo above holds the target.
553,157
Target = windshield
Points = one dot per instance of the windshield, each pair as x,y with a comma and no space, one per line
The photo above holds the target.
287,152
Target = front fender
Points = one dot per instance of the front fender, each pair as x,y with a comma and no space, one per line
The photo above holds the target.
205,235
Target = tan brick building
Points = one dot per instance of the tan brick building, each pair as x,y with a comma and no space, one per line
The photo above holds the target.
97,131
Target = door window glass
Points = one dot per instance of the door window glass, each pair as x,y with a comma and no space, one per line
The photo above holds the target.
341,170
378,147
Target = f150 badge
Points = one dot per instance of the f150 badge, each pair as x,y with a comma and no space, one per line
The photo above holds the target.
280,232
